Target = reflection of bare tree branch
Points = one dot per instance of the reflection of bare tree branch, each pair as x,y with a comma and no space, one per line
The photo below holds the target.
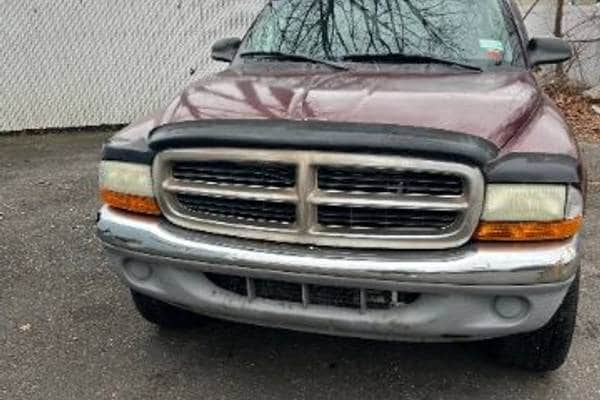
249,92
431,29
397,37
337,31
287,26
250,97
333,28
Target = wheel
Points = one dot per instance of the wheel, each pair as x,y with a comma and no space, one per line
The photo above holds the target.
163,314
547,348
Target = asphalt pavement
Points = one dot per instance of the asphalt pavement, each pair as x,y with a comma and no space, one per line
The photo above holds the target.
68,329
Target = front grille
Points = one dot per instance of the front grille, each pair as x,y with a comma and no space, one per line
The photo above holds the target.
372,180
307,294
319,198
251,174
381,218
244,210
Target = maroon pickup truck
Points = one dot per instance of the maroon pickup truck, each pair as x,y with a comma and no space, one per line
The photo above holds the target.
385,170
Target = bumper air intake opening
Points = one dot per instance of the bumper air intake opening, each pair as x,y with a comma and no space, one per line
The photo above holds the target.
307,294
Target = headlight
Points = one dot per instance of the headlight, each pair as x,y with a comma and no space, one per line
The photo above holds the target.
524,202
530,212
127,186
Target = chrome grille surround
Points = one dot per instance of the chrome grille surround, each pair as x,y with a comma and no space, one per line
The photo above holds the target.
307,197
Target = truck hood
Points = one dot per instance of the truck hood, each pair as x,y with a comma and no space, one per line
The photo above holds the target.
494,106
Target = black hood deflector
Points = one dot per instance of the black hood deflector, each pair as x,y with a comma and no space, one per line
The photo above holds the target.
326,136
354,138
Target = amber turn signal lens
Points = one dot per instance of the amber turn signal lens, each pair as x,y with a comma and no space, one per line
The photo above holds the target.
528,231
123,201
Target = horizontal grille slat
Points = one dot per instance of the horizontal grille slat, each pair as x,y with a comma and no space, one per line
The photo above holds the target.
356,218
251,210
374,180
237,173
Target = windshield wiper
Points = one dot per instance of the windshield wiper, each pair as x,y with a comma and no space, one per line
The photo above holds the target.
275,55
408,59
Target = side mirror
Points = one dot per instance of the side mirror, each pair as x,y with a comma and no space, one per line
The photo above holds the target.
225,49
548,51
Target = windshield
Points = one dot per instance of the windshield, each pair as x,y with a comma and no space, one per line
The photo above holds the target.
462,31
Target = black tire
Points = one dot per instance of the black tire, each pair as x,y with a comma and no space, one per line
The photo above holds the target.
163,314
547,348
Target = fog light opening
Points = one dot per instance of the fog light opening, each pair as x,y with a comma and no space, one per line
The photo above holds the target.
511,307
138,270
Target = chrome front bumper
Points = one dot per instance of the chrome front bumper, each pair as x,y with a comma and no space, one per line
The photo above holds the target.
459,288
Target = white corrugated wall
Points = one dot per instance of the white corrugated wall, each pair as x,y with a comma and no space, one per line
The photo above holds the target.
66,63
89,62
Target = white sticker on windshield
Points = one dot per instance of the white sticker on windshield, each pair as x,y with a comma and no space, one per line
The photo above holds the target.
489,44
